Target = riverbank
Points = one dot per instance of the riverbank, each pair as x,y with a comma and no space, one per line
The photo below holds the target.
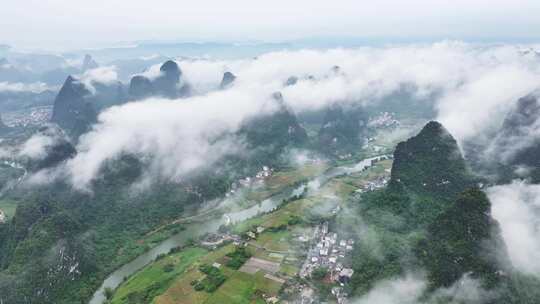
272,214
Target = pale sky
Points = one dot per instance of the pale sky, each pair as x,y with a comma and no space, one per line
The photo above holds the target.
86,23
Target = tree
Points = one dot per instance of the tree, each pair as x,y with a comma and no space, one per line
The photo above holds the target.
319,273
108,292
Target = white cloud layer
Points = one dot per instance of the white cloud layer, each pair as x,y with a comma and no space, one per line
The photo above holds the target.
178,136
36,146
476,85
517,208
470,86
16,87
404,290
105,75
411,289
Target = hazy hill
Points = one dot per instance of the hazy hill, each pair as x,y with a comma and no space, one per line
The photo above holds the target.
341,129
76,106
168,83
227,80
516,146
430,163
444,229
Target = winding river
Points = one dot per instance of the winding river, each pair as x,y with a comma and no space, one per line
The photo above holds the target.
194,230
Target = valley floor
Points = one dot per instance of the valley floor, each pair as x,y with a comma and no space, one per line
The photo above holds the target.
278,243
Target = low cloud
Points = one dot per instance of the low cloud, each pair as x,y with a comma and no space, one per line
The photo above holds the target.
6,152
204,75
465,290
405,290
470,86
482,82
152,72
483,102
412,288
17,87
36,146
103,75
517,208
176,137
302,157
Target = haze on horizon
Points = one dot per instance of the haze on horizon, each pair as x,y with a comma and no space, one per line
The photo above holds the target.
63,24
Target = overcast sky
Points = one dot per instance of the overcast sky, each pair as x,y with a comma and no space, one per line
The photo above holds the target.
76,23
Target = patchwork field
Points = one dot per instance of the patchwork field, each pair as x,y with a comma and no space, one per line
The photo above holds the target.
277,252
240,287
156,278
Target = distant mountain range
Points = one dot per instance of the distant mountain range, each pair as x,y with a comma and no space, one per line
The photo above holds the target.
49,69
77,104
168,84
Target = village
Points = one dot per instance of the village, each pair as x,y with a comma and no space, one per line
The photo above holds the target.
35,116
331,252
322,250
249,181
326,250
383,120
373,185
279,255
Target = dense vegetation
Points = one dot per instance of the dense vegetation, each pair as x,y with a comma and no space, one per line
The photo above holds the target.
155,278
213,279
445,229
458,241
431,164
62,243
238,257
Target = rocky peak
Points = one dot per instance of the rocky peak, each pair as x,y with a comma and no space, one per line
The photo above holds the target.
89,63
167,84
73,87
140,87
69,104
430,163
227,81
171,70
76,107
291,81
